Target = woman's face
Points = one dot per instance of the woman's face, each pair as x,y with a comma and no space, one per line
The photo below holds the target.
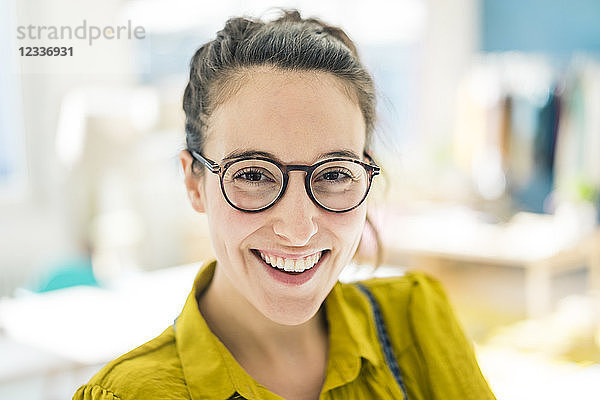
297,117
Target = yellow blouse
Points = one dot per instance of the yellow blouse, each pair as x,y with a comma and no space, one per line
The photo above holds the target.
436,360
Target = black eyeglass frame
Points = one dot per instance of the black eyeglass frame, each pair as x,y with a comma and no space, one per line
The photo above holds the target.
372,170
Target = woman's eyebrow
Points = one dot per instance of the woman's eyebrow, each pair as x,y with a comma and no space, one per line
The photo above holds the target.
339,153
239,153
249,153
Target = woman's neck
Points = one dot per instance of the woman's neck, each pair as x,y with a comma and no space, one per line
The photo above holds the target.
249,335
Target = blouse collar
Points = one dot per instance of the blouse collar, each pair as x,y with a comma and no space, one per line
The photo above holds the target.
211,371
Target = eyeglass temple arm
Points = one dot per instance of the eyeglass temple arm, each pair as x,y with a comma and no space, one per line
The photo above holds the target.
372,164
211,165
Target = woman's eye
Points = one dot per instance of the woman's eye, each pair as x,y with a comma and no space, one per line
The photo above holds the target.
335,176
252,176
331,176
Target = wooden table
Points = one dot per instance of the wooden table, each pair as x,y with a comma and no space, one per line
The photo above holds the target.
535,243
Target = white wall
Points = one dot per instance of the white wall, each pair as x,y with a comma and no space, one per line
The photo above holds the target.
35,230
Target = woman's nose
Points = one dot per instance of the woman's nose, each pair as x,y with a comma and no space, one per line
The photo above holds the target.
295,213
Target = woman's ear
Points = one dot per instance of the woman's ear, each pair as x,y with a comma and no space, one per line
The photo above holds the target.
193,183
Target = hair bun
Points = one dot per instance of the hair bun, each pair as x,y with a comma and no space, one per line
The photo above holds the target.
237,28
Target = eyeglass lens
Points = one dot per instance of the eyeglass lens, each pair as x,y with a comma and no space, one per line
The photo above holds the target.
255,184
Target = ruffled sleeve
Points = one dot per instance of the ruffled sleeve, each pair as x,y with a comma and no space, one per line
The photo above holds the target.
94,392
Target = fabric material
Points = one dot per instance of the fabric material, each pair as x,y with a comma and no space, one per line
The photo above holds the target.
187,361
384,340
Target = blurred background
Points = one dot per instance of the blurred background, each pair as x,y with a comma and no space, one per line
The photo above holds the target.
488,132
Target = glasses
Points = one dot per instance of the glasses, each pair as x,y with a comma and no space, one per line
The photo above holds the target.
253,184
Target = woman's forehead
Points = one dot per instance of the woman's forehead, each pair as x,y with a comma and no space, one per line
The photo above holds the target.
293,148
288,113
256,153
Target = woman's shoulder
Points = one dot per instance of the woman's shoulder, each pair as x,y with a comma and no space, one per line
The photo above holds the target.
424,328
152,370
401,287
414,306
414,300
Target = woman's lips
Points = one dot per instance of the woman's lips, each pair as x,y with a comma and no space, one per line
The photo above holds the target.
290,264
291,255
292,277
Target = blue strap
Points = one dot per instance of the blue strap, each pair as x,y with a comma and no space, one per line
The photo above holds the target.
384,339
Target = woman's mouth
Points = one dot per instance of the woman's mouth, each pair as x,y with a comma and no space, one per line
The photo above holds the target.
289,265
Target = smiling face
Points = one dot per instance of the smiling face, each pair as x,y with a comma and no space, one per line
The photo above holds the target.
298,117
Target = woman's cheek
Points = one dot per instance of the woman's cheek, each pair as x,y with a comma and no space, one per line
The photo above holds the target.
353,221
232,226
348,227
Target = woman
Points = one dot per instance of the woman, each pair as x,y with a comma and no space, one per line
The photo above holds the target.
279,118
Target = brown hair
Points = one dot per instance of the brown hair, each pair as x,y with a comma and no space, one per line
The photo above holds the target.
289,43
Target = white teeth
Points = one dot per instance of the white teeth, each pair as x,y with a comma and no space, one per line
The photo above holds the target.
291,264
299,264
